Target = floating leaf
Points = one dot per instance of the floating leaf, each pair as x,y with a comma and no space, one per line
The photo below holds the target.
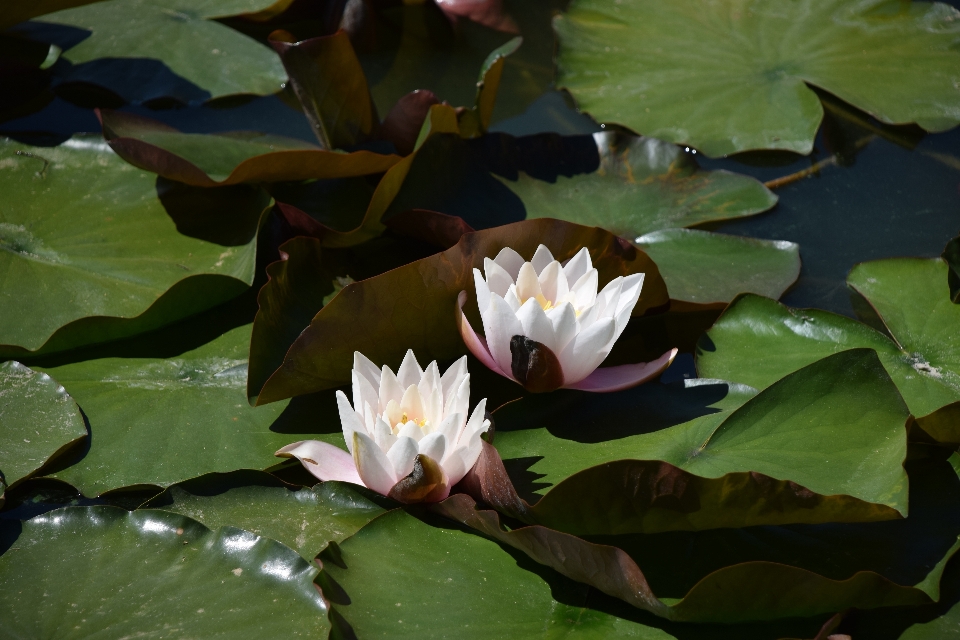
705,268
413,307
951,254
476,121
835,428
734,578
38,420
164,574
643,185
90,251
158,422
209,160
144,50
331,87
304,519
757,341
452,582
730,77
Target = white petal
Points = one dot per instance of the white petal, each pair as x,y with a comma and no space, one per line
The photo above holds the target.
511,298
450,427
585,289
500,325
564,321
578,265
374,468
412,403
462,460
459,401
498,280
587,351
409,372
349,420
433,446
483,291
630,293
383,435
475,425
410,430
535,324
528,286
401,455
367,369
363,391
453,376
324,461
510,260
549,280
541,258
430,394
390,389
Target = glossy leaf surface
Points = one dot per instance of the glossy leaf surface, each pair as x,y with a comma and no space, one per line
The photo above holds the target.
643,185
733,76
38,418
305,519
704,268
86,237
158,422
143,50
414,306
178,576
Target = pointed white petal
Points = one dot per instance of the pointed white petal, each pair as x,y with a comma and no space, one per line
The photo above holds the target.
433,446
412,403
510,260
585,289
541,259
453,376
363,391
450,427
409,372
528,286
383,435
372,464
410,430
363,366
482,290
349,419
587,351
476,344
564,326
500,326
401,455
548,279
474,424
535,324
390,388
498,280
578,265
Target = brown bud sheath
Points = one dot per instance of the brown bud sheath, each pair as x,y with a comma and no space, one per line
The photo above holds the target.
420,483
534,365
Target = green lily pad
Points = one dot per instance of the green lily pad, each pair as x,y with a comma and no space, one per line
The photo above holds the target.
38,420
208,160
165,575
406,578
758,341
414,306
704,268
643,185
304,519
731,77
143,50
89,254
158,422
821,428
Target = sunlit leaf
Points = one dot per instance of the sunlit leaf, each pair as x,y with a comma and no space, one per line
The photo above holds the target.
704,268
732,76
757,341
38,419
304,519
643,185
208,160
158,422
143,50
153,573
414,306
89,250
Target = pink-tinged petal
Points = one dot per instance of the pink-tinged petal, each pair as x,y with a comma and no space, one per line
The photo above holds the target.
412,404
476,344
577,265
500,325
541,258
586,351
409,372
528,286
324,461
433,446
372,464
536,325
608,379
401,456
482,289
564,321
510,261
350,420
498,281
363,366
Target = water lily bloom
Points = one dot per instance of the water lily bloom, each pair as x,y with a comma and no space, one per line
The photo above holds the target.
408,433
546,326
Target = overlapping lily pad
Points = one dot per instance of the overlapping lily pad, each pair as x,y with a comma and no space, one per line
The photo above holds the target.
731,77
38,419
757,341
158,422
304,519
154,573
708,268
208,160
643,185
452,582
144,50
88,253
413,307
835,428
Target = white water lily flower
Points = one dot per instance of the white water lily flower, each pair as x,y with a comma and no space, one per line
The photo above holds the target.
546,326
408,433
